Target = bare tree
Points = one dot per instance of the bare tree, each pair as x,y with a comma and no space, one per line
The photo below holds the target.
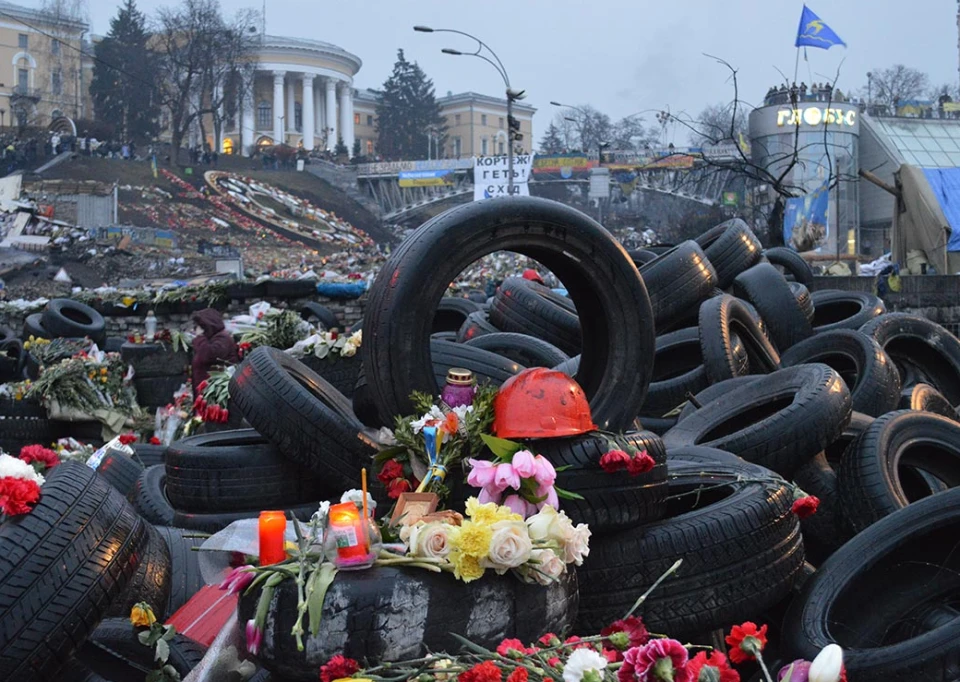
713,125
592,127
198,52
898,83
630,134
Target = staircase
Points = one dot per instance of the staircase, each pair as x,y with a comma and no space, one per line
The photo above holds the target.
343,178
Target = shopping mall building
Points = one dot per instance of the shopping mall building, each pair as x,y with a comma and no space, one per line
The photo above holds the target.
834,140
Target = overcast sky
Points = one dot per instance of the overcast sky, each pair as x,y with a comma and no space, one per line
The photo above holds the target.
621,56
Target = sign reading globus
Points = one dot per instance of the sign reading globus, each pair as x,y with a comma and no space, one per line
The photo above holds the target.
814,116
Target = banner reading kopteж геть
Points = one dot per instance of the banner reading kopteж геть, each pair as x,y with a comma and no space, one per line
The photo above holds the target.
491,176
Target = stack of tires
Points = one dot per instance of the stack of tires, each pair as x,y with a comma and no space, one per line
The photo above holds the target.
65,318
341,372
70,571
158,371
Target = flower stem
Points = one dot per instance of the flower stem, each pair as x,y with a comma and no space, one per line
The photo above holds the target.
763,667
643,597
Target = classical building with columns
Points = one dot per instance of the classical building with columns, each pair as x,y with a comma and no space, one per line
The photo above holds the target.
302,95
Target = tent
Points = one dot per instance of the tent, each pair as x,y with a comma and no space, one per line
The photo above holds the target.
919,222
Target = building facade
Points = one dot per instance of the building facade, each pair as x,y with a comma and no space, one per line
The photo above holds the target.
43,77
477,125
815,143
302,95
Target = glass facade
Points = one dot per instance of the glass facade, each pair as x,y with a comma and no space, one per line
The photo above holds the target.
811,155
928,143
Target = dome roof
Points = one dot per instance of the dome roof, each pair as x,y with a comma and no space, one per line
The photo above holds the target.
307,46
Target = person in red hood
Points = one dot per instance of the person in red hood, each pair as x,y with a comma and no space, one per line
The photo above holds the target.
212,346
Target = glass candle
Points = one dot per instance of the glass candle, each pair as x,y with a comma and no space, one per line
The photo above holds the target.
351,541
460,387
273,525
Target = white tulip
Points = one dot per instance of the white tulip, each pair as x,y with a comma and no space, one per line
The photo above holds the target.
826,667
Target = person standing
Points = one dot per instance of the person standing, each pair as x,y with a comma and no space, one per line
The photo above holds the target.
212,346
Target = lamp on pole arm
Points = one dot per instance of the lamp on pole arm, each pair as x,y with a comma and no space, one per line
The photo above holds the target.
498,65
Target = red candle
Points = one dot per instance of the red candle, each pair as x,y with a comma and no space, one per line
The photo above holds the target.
273,524
346,526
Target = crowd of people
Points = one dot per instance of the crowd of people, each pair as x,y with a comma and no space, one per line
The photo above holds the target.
818,92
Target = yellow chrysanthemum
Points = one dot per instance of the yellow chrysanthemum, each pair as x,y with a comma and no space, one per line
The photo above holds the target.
465,567
489,513
474,539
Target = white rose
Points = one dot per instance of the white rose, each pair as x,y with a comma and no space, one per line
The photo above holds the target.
549,524
510,546
577,546
348,350
432,540
548,566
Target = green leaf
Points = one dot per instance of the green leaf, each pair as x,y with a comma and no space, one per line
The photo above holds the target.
567,495
502,448
319,584
169,632
389,453
144,637
563,468
162,652
170,674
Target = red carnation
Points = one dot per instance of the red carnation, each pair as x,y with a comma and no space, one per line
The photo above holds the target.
17,495
482,672
155,441
396,487
634,629
746,641
550,640
643,664
391,469
338,667
805,507
127,438
640,464
511,647
614,461
518,675
715,660
40,457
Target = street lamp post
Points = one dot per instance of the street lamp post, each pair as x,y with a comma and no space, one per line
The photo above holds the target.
498,65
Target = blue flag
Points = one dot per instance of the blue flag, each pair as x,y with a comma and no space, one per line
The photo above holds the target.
815,33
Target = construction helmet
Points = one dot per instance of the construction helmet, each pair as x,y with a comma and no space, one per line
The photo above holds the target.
541,403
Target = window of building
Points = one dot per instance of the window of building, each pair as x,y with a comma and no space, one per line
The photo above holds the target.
264,115
501,123
56,84
370,120
23,80
457,146
500,148
356,119
483,119
22,41
297,116
483,146
369,145
457,119
55,46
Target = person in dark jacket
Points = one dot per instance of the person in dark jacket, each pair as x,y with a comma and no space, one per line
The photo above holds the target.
212,346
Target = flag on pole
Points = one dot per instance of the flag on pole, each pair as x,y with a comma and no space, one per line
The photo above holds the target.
814,33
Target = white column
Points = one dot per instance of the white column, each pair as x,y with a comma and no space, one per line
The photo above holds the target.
318,109
278,106
308,111
291,119
247,124
349,130
346,123
331,117
218,142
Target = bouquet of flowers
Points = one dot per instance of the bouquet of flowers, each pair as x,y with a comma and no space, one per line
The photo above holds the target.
87,382
421,450
21,478
277,329
211,404
49,352
328,345
176,338
537,549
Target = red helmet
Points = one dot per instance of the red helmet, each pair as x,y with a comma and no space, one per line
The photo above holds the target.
532,275
541,403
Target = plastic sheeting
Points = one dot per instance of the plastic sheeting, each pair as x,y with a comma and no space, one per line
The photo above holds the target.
919,222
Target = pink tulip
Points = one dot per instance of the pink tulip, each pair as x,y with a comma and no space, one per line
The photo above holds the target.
489,495
238,579
481,473
520,506
505,478
551,494
545,474
254,637
524,464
